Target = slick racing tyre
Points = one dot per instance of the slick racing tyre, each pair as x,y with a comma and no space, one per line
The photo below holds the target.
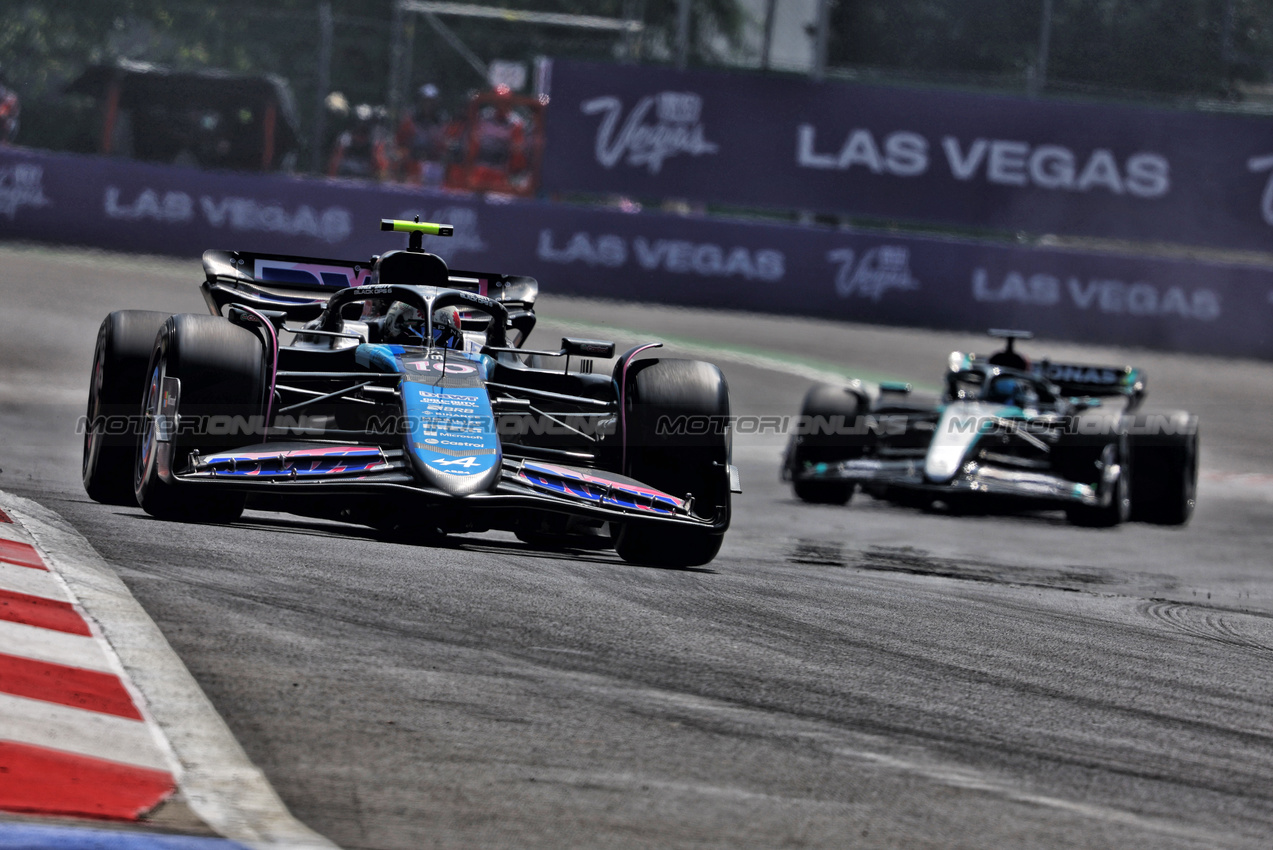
691,460
826,407
220,369
1165,449
115,392
1087,465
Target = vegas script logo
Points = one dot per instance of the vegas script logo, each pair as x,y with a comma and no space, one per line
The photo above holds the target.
677,129
879,269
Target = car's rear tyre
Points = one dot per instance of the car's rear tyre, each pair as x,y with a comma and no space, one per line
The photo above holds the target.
1118,508
690,460
1165,488
116,389
220,368
826,409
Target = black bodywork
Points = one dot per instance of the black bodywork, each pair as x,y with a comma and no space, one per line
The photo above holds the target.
331,412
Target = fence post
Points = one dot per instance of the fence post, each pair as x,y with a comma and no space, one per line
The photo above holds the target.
394,98
771,7
322,85
683,34
1040,78
820,46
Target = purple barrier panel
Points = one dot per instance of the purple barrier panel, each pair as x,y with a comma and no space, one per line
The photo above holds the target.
956,285
972,160
131,206
949,284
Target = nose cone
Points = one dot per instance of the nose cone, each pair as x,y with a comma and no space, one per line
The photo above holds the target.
458,476
957,432
451,437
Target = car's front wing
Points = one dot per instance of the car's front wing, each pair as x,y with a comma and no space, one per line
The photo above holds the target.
333,471
973,477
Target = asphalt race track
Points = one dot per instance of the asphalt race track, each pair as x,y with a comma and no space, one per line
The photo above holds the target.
867,676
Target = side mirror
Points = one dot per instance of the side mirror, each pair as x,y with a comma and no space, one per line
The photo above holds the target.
587,347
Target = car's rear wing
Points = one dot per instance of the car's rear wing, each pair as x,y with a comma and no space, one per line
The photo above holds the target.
1083,379
322,277
300,286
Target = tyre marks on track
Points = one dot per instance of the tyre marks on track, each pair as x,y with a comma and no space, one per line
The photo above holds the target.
1243,631
915,561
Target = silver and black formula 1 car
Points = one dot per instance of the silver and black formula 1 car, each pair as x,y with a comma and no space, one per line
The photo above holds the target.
398,393
1005,433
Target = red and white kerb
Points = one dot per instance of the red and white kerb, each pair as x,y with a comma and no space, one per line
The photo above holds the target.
72,739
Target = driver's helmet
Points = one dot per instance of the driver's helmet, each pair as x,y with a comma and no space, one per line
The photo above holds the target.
1008,389
446,328
405,325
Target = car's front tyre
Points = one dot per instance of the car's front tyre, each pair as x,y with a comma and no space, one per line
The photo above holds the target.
1116,509
676,440
826,409
1165,447
116,389
219,367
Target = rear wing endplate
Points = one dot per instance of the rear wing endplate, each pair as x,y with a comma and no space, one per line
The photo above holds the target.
1083,379
320,276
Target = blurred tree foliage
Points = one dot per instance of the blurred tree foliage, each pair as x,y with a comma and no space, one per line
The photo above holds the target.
44,44
1147,47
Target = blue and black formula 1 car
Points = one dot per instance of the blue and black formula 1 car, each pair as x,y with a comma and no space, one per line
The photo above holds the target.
1005,433
398,393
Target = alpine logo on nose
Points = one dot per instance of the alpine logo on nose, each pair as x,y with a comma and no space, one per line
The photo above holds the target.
470,465
459,461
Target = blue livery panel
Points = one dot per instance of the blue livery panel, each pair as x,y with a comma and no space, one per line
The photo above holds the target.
450,437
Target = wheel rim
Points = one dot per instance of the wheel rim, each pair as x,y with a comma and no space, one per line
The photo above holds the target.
92,435
1191,479
1123,492
1123,495
150,432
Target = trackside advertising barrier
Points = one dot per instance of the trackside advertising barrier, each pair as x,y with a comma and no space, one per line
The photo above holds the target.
971,160
862,277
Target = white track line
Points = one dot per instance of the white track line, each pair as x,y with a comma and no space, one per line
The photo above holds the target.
218,780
